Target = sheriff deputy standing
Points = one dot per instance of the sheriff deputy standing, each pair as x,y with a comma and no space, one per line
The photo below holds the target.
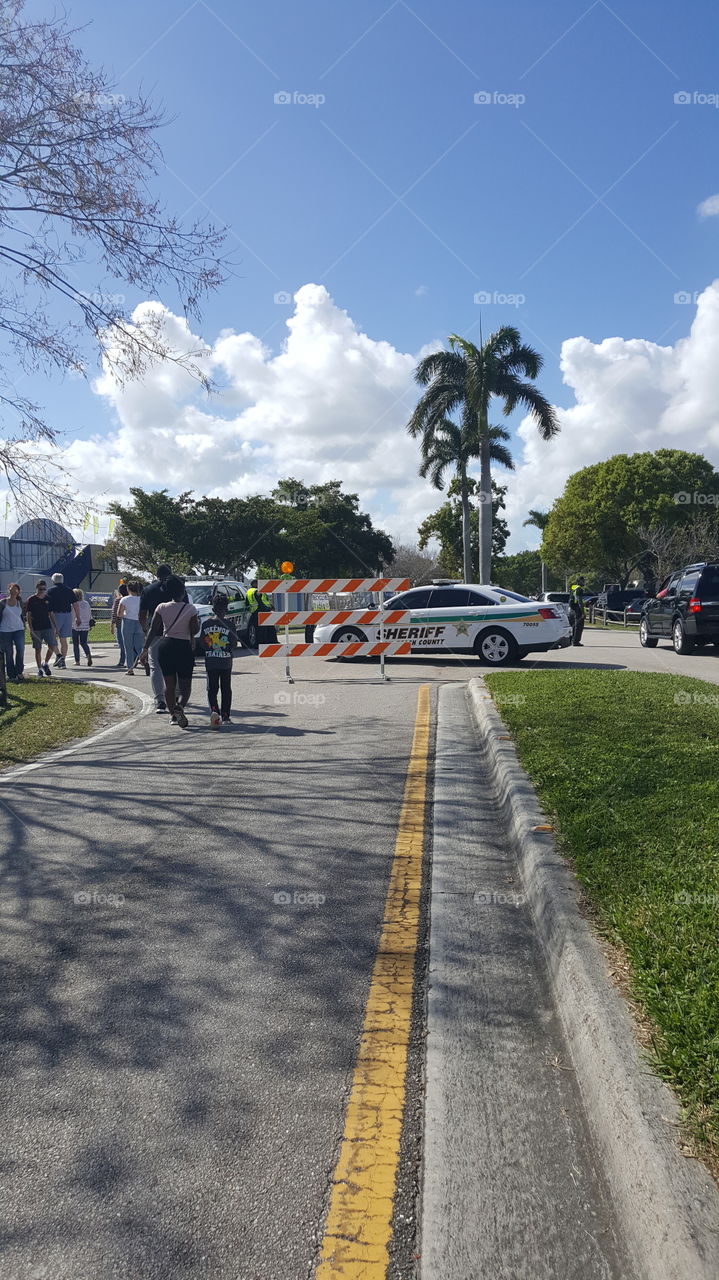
576,610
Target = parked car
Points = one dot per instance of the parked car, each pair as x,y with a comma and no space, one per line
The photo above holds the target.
556,597
617,600
636,605
685,609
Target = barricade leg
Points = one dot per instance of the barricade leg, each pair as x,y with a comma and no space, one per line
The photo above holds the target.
380,602
288,673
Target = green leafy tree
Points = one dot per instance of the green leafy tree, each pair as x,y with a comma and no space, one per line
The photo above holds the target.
464,381
445,525
320,528
152,530
521,572
595,527
324,530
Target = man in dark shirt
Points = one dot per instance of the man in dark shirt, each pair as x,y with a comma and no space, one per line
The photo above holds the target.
43,626
154,594
61,599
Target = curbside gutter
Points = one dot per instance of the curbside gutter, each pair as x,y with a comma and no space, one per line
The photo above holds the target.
667,1206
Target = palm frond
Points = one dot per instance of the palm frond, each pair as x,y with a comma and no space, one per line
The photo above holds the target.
523,359
514,392
499,453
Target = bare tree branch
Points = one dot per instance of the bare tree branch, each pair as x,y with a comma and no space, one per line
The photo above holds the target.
77,162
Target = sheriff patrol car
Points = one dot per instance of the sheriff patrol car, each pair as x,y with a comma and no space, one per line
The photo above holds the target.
498,626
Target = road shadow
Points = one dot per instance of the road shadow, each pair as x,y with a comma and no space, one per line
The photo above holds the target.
167,986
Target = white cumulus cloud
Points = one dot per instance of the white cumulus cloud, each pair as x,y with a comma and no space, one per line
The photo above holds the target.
630,395
333,403
709,208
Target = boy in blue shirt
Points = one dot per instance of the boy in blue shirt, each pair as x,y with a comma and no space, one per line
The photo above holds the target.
217,638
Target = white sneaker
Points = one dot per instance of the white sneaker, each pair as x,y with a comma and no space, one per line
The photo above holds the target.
215,720
40,673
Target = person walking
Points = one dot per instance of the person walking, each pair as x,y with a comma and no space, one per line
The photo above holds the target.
61,600
115,624
217,639
43,628
153,595
12,633
576,611
81,619
175,623
128,616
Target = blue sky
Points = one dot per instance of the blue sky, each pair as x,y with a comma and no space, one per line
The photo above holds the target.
402,195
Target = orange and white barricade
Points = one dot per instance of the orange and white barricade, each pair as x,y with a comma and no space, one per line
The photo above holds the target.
311,617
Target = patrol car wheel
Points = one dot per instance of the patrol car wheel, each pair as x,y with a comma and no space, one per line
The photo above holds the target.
348,635
494,647
251,635
645,640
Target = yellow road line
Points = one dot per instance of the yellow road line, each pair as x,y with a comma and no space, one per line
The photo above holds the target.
359,1222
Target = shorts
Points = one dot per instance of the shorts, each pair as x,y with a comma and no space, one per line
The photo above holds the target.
47,636
176,657
64,625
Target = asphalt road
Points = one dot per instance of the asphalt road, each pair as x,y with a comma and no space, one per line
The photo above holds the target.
176,1044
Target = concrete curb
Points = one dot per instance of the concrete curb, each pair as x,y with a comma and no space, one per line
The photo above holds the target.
146,705
667,1206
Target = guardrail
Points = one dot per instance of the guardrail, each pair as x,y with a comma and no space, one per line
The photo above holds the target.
625,616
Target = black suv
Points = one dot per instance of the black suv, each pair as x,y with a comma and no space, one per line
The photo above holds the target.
685,609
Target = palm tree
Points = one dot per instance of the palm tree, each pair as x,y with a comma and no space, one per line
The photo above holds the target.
453,446
539,519
464,380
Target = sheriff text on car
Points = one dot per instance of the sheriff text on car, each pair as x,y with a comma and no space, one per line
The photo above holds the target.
498,626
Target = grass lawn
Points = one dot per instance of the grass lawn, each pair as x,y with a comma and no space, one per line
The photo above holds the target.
100,631
47,713
628,765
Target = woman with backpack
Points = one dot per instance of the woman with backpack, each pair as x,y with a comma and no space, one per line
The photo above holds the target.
177,623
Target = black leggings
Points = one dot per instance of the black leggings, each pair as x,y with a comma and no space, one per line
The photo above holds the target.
80,638
219,678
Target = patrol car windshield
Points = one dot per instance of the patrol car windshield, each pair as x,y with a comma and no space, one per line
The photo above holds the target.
199,594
